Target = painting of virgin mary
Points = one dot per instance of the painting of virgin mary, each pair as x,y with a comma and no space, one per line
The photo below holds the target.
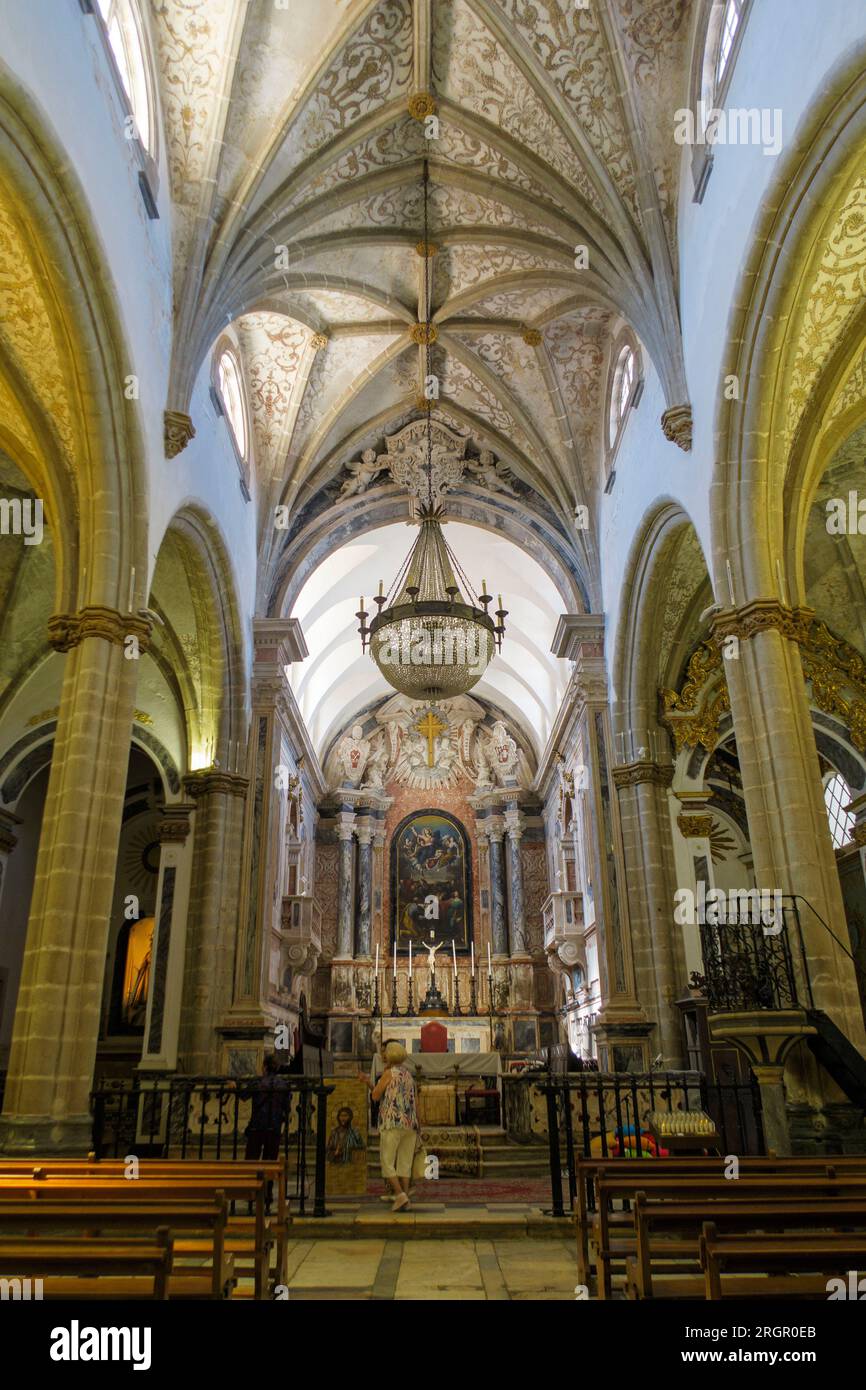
431,887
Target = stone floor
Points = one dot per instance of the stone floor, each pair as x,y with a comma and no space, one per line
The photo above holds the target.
370,1217
419,1269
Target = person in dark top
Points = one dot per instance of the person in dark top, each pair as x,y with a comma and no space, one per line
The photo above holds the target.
270,1103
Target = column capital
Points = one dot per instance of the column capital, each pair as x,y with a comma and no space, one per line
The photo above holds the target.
695,827
345,825
514,823
68,630
278,641
636,773
209,781
763,615
178,429
175,824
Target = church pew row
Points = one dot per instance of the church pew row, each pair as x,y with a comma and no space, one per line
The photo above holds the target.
275,1171
203,1222
711,1191
588,1169
666,1238
255,1238
78,1268
791,1265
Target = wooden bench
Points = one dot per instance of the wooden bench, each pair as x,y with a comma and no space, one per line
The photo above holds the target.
74,1267
150,1193
708,1190
95,1218
667,1235
790,1265
642,1170
275,1171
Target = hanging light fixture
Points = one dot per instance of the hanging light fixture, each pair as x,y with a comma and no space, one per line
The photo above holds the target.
432,636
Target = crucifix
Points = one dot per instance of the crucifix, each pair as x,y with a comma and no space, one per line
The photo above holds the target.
431,956
430,727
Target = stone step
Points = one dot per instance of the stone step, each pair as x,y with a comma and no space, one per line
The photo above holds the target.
504,1222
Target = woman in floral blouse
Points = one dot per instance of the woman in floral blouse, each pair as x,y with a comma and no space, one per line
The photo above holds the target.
398,1122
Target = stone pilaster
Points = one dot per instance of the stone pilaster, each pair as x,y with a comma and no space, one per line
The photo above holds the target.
212,919
59,1000
516,921
162,1023
782,790
659,961
345,895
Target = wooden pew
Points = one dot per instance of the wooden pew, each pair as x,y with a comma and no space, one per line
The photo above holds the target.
789,1265
275,1171
95,1218
668,1234
709,1190
148,1193
588,1169
74,1267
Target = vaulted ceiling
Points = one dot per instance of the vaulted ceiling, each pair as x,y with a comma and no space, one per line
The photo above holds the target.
297,157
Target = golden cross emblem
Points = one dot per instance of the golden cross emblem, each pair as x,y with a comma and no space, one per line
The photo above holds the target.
429,727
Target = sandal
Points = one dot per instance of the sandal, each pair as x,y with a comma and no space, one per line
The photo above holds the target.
401,1202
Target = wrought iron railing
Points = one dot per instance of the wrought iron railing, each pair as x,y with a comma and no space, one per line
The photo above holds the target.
604,1115
205,1117
747,967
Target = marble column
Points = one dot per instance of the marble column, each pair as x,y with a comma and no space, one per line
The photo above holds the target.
659,960
365,891
162,1023
783,793
59,1001
345,895
516,923
498,922
212,920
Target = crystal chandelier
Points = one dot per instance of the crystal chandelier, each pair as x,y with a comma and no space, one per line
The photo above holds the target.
428,640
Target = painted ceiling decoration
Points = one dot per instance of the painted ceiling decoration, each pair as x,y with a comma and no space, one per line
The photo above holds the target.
296,141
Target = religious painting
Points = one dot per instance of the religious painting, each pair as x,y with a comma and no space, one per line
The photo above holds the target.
431,890
347,1137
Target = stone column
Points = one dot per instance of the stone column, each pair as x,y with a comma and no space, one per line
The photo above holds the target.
365,890
774,1112
516,924
659,961
212,921
695,824
498,923
345,887
782,790
162,1024
60,996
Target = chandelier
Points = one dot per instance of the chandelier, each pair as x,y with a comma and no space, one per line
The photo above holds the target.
432,636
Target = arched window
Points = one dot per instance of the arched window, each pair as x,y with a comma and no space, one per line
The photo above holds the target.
232,397
122,25
624,377
837,795
730,27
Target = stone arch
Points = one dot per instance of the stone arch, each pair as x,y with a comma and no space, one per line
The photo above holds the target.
198,636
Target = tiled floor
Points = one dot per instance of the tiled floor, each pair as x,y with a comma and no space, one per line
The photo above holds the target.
419,1269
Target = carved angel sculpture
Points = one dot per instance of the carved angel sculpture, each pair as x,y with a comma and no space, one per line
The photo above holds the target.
377,767
488,473
364,471
504,750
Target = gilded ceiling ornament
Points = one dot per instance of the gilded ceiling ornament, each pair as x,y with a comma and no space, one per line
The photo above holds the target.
178,430
68,630
677,426
426,249
319,341
695,827
406,460
424,333
420,105
531,337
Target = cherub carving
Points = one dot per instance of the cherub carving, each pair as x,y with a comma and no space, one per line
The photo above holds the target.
486,472
364,471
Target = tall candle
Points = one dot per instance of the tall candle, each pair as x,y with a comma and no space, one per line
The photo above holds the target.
395,957
410,960
376,967
472,958
454,955
489,966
